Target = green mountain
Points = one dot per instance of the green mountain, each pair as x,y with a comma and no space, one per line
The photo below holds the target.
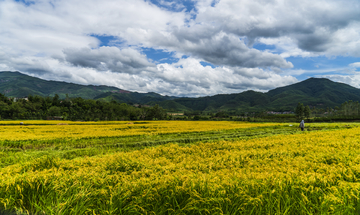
315,92
318,92
15,84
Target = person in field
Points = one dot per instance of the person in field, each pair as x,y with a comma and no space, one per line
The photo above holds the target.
302,125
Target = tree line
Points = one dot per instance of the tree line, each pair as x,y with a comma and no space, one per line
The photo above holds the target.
349,110
37,107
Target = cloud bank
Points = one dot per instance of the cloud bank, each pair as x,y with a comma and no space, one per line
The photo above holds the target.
218,46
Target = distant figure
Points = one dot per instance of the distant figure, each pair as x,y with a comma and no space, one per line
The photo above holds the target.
21,123
302,125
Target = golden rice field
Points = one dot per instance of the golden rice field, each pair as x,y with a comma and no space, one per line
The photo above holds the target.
36,130
170,167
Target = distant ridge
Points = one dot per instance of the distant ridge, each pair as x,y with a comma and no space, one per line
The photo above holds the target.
16,84
315,92
318,92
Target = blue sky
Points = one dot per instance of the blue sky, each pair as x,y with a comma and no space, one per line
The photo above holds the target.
175,6
182,48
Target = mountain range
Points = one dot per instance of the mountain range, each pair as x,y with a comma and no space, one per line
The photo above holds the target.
315,92
16,84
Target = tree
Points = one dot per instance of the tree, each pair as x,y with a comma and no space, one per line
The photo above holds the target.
156,112
197,117
307,112
56,100
299,111
16,111
54,111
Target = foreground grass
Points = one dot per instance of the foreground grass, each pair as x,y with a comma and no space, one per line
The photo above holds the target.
262,170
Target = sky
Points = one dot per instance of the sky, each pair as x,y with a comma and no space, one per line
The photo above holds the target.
186,48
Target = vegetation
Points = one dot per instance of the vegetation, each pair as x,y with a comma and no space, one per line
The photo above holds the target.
180,168
15,84
316,93
27,133
348,111
302,111
37,107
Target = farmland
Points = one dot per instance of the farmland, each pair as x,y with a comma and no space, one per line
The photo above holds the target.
171,167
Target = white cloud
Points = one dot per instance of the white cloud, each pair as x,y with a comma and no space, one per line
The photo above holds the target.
52,39
353,80
190,74
125,60
217,48
184,78
50,26
311,26
356,65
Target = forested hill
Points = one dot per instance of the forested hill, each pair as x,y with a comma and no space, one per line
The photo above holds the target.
320,92
317,92
16,84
